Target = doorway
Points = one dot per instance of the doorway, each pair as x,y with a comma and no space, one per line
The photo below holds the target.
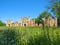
9,25
24,24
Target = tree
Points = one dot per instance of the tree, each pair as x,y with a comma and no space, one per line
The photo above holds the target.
40,18
38,21
45,14
1,23
55,9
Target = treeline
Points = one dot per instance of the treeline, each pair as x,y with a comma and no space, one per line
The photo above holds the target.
2,23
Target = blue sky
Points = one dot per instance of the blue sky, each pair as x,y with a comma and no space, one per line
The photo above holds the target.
15,9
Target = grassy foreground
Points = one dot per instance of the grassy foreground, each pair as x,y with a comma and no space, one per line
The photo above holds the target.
29,36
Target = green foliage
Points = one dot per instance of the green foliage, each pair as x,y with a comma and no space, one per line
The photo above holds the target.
40,18
8,37
38,21
1,23
55,8
45,14
29,36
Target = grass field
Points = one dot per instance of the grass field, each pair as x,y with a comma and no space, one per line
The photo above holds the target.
29,36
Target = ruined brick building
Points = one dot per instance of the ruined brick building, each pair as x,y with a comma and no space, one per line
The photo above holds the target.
50,21
31,22
23,22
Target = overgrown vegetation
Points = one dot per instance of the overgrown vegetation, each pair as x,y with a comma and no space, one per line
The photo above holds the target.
29,36
33,35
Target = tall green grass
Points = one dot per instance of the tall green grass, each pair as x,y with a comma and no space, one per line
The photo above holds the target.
29,36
